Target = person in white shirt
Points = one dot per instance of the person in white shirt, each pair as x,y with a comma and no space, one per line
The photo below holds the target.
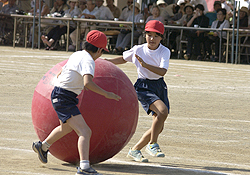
88,13
103,12
152,61
76,74
226,6
162,4
126,12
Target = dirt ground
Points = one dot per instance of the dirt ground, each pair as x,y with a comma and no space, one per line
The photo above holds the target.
207,131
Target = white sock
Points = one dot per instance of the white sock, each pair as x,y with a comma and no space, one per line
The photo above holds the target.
84,164
45,146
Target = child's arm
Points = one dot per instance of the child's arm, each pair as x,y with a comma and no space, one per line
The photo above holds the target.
59,73
117,60
89,84
156,70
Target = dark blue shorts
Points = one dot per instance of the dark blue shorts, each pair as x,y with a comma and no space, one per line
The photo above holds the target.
64,102
148,91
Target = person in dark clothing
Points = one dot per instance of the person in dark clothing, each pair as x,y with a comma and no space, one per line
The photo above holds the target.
196,37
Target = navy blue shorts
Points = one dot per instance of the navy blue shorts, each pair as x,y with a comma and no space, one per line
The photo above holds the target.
64,102
148,91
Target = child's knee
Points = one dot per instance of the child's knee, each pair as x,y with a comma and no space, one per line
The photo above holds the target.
86,132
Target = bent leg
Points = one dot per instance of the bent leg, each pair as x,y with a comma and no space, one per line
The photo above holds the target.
57,133
145,138
78,124
161,111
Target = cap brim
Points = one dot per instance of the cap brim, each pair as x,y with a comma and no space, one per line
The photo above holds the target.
106,49
153,30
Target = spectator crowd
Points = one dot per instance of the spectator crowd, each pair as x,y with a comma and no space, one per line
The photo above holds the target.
189,13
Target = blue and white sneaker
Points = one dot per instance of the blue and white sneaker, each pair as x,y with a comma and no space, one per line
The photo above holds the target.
154,150
89,171
42,155
136,155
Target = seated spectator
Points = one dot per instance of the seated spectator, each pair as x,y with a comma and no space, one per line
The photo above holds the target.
59,30
162,4
214,37
88,13
44,8
189,11
182,1
124,37
59,6
44,11
213,15
115,10
7,23
202,2
226,6
82,5
24,5
147,11
10,8
103,12
155,14
126,12
243,23
196,37
171,10
3,3
179,13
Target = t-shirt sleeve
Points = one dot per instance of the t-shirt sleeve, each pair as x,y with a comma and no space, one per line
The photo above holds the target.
87,68
128,55
165,59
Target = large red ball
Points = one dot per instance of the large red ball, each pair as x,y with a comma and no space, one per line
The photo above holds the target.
113,123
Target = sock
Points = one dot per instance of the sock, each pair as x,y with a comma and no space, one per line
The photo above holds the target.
84,164
45,146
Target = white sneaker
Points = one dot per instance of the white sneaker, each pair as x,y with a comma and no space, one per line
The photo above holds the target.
154,150
136,155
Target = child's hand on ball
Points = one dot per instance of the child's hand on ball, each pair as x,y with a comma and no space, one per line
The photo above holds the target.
111,95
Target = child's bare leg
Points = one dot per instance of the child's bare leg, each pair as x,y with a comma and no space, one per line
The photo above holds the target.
145,138
83,131
158,123
143,141
58,133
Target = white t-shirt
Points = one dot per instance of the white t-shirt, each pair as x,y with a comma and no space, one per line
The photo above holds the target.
159,58
80,63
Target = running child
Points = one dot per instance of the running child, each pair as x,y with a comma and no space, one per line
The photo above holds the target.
75,75
152,61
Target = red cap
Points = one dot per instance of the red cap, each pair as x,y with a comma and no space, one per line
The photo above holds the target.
98,39
154,26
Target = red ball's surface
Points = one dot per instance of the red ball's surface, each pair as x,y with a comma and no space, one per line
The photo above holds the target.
113,123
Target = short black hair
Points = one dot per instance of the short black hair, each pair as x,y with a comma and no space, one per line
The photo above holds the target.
224,11
159,34
90,47
199,6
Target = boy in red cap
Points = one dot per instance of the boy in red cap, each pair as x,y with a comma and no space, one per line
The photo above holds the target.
75,75
152,61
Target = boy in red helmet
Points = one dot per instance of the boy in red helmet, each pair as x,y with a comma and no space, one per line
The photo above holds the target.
152,61
75,75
